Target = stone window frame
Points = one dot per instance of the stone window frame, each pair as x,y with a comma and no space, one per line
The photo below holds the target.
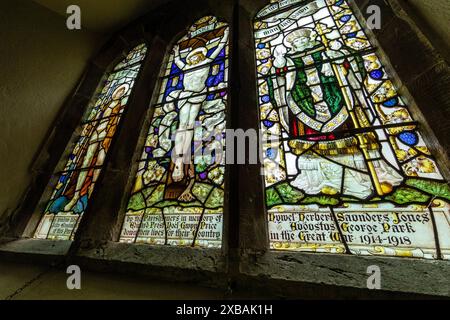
326,271
244,260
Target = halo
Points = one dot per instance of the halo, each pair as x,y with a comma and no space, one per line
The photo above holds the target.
123,86
202,50
296,34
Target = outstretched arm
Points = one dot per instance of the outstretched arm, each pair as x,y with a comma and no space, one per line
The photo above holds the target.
180,64
221,45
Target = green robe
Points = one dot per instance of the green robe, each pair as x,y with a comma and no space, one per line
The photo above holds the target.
332,93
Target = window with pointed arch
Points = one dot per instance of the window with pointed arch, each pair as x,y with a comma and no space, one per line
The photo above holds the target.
178,193
346,169
95,134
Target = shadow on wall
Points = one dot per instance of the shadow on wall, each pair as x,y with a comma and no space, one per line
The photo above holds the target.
42,62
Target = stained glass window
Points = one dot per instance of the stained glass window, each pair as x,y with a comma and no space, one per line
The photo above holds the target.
178,193
76,182
346,169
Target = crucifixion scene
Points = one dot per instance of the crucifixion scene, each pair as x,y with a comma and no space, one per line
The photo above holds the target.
347,147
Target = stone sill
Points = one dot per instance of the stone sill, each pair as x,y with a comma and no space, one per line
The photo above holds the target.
207,267
209,260
403,275
36,246
187,258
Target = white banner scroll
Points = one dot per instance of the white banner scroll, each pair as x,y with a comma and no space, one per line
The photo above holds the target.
203,30
310,8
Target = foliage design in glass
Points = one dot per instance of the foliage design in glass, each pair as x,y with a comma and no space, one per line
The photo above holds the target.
179,201
76,182
346,169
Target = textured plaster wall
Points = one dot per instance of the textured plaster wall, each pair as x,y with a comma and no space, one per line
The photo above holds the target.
435,18
41,63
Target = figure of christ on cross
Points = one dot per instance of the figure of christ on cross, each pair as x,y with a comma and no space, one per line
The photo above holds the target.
191,99
101,133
